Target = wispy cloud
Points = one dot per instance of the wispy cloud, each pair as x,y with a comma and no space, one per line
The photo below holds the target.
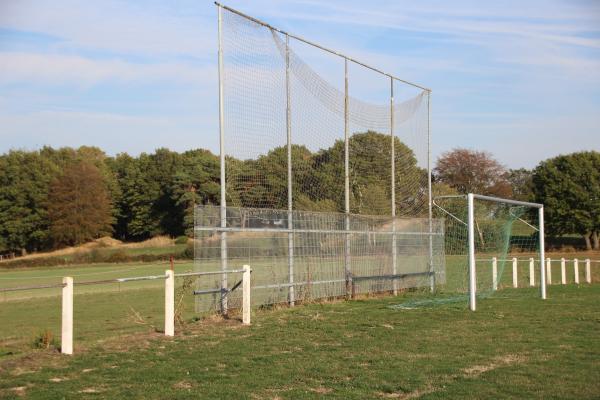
56,69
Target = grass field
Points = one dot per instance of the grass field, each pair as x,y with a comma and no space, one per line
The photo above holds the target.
512,347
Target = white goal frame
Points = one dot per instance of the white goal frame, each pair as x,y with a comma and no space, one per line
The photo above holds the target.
471,238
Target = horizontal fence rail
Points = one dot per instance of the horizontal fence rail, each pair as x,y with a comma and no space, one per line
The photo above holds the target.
324,231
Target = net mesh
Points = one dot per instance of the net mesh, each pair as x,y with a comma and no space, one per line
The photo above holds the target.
264,74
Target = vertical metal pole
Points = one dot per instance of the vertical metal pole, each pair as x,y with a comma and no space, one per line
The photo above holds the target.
471,233
542,253
288,122
346,179
429,194
393,182
576,270
222,162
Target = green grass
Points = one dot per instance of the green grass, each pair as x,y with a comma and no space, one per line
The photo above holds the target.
512,347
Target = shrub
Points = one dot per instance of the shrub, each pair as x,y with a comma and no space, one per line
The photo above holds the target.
45,340
118,256
181,240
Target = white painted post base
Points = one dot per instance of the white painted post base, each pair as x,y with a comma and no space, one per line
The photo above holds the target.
169,303
514,273
531,272
246,295
563,271
66,344
494,273
576,270
549,271
588,271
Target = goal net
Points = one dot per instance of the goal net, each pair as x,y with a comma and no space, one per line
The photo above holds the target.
494,252
324,170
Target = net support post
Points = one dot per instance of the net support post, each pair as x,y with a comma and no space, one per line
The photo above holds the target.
347,272
246,295
515,276
588,271
494,273
169,303
393,190
288,123
576,270
430,195
542,252
66,344
222,163
531,272
471,237
563,271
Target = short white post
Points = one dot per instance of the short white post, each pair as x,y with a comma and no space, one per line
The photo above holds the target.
531,272
588,271
576,270
563,271
169,303
549,271
514,272
246,295
66,344
494,273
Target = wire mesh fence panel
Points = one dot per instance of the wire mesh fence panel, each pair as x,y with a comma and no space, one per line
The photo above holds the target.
259,238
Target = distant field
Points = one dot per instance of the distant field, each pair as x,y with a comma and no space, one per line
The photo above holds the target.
516,346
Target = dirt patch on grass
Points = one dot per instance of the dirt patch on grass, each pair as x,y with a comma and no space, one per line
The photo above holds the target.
415,394
497,362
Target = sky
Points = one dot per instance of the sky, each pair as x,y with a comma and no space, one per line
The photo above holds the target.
519,79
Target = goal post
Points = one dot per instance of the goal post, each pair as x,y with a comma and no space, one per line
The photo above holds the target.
471,241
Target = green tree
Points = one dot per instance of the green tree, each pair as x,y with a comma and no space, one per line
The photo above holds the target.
521,181
24,178
195,182
79,205
569,188
370,175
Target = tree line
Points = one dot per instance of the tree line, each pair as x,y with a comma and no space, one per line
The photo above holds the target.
50,198
567,185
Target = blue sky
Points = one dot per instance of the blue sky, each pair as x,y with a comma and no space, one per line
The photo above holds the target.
520,79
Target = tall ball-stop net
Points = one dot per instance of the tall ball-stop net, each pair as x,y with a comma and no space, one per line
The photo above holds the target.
326,174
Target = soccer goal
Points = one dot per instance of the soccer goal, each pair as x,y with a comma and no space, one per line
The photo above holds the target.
492,246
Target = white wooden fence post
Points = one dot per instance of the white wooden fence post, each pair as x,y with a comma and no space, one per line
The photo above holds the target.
494,273
531,272
169,303
588,271
576,270
514,273
549,271
66,344
563,271
246,295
